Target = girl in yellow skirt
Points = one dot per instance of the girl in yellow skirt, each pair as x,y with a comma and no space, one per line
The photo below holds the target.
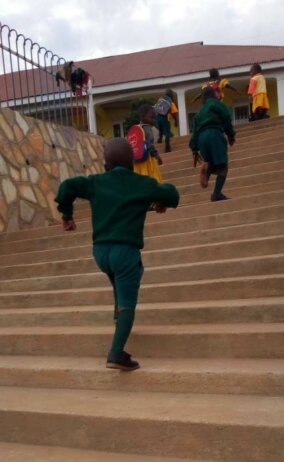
150,166
258,93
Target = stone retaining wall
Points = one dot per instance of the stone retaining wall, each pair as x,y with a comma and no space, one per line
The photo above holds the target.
34,157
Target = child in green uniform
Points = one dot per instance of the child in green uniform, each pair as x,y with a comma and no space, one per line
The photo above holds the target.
164,125
119,200
209,126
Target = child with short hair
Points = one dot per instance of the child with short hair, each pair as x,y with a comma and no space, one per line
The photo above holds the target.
209,126
258,93
150,166
119,201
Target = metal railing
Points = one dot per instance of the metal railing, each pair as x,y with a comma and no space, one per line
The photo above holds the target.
39,83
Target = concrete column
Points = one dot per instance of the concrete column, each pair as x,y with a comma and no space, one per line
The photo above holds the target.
183,125
280,93
92,121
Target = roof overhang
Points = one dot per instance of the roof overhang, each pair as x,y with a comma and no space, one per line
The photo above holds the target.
189,79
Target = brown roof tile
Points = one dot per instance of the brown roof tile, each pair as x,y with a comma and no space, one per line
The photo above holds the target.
161,62
176,60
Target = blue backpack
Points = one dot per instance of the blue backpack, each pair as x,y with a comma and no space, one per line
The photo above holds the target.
163,105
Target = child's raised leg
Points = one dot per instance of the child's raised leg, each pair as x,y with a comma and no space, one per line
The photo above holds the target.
221,172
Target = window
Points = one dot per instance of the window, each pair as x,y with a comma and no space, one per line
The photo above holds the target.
118,129
241,115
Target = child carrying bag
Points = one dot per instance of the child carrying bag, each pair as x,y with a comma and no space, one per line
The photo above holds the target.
163,106
137,140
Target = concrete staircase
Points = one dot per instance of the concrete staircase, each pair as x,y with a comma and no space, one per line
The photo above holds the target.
209,331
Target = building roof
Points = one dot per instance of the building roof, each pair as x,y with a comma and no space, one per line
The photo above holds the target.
176,60
170,61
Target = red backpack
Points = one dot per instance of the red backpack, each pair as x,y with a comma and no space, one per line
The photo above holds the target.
136,139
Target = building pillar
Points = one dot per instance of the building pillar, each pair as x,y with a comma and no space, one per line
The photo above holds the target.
183,125
280,93
92,121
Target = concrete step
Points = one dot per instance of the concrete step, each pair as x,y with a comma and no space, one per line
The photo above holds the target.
258,230
251,139
269,310
41,239
192,208
183,159
237,172
260,124
162,424
234,340
202,196
193,186
248,139
188,169
249,128
214,376
207,208
232,267
206,223
229,288
209,330
238,151
204,253
241,134
13,452
185,154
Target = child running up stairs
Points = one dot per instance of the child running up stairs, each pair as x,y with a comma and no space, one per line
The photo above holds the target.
209,332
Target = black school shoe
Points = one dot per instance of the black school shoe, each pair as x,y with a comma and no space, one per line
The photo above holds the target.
121,361
220,197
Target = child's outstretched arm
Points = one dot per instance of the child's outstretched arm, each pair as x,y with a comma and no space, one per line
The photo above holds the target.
68,191
197,97
230,87
165,195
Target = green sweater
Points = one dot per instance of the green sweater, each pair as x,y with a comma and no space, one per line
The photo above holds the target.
119,201
213,114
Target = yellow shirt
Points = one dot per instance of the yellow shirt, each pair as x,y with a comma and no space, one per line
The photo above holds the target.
257,85
173,108
221,85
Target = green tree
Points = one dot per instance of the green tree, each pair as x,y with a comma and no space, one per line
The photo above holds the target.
133,117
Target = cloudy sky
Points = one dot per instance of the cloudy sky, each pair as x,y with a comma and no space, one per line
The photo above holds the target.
82,29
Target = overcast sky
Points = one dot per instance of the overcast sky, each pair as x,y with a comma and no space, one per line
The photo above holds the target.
83,29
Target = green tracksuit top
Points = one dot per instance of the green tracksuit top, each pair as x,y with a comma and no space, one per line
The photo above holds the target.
119,202
213,114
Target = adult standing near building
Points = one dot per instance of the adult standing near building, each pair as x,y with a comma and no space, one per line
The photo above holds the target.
258,93
165,108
